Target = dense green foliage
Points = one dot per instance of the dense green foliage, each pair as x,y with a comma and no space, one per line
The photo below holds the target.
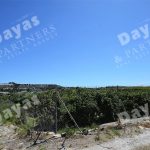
88,106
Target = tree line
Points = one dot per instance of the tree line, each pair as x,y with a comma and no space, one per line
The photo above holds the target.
87,105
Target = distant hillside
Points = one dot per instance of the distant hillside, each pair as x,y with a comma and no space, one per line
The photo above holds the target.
5,87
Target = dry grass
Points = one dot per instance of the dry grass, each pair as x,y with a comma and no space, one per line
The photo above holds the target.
110,133
143,148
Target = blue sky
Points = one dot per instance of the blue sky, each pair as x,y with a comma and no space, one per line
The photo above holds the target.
83,52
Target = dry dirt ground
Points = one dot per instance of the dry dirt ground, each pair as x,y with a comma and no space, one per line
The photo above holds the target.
125,143
129,138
